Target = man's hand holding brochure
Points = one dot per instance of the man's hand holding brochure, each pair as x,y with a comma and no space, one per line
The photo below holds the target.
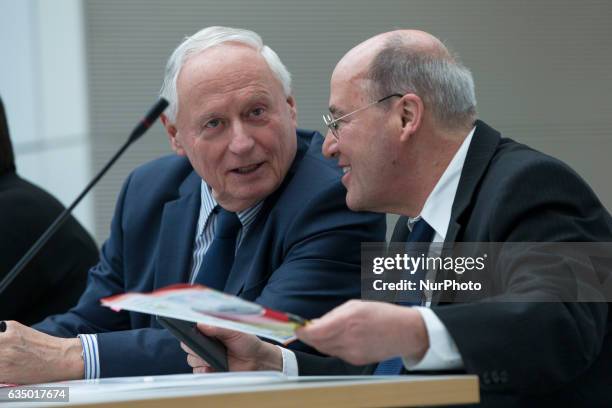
201,304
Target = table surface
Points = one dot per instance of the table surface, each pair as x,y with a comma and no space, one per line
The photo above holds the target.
269,390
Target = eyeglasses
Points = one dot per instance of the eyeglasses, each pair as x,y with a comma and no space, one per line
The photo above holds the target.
333,125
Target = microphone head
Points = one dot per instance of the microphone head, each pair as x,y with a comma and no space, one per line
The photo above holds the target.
150,117
156,110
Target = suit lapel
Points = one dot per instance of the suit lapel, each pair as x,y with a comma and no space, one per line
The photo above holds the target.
481,151
177,232
482,148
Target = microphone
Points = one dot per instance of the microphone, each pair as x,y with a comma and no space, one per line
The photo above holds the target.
138,131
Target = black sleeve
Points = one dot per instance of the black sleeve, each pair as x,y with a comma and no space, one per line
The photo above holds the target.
310,364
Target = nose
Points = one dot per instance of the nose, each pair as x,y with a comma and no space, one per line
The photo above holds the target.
242,141
330,145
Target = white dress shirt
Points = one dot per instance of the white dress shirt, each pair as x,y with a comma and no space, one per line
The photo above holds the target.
442,353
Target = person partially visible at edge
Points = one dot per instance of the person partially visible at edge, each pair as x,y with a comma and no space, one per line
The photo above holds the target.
55,279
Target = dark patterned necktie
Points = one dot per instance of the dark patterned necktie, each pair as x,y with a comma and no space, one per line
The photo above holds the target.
421,232
219,257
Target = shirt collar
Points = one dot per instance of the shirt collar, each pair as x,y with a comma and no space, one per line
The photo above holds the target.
208,205
438,206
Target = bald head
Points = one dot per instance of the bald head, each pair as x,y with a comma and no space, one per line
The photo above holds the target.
419,42
413,61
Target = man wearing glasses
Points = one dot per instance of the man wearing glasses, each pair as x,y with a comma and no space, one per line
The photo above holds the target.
403,127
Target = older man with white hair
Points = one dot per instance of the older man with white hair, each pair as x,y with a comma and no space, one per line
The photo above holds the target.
248,205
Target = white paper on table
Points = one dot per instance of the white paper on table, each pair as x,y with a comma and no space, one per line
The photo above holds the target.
165,382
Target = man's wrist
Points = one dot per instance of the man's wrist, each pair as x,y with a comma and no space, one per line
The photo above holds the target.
71,359
415,339
270,358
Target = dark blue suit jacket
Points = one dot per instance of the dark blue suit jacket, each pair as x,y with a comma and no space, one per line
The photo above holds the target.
301,255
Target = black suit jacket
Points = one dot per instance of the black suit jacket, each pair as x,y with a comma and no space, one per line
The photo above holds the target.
523,353
54,280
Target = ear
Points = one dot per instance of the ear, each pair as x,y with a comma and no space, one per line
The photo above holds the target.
292,109
412,110
172,133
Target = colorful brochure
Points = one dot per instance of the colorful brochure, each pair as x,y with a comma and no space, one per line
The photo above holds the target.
196,303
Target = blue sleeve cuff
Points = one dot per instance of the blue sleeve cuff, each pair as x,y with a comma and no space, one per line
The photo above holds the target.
91,357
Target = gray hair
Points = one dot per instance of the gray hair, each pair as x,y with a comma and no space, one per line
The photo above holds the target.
444,84
208,38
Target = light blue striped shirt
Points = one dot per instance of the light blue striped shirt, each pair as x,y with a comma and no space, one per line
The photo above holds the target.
205,234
